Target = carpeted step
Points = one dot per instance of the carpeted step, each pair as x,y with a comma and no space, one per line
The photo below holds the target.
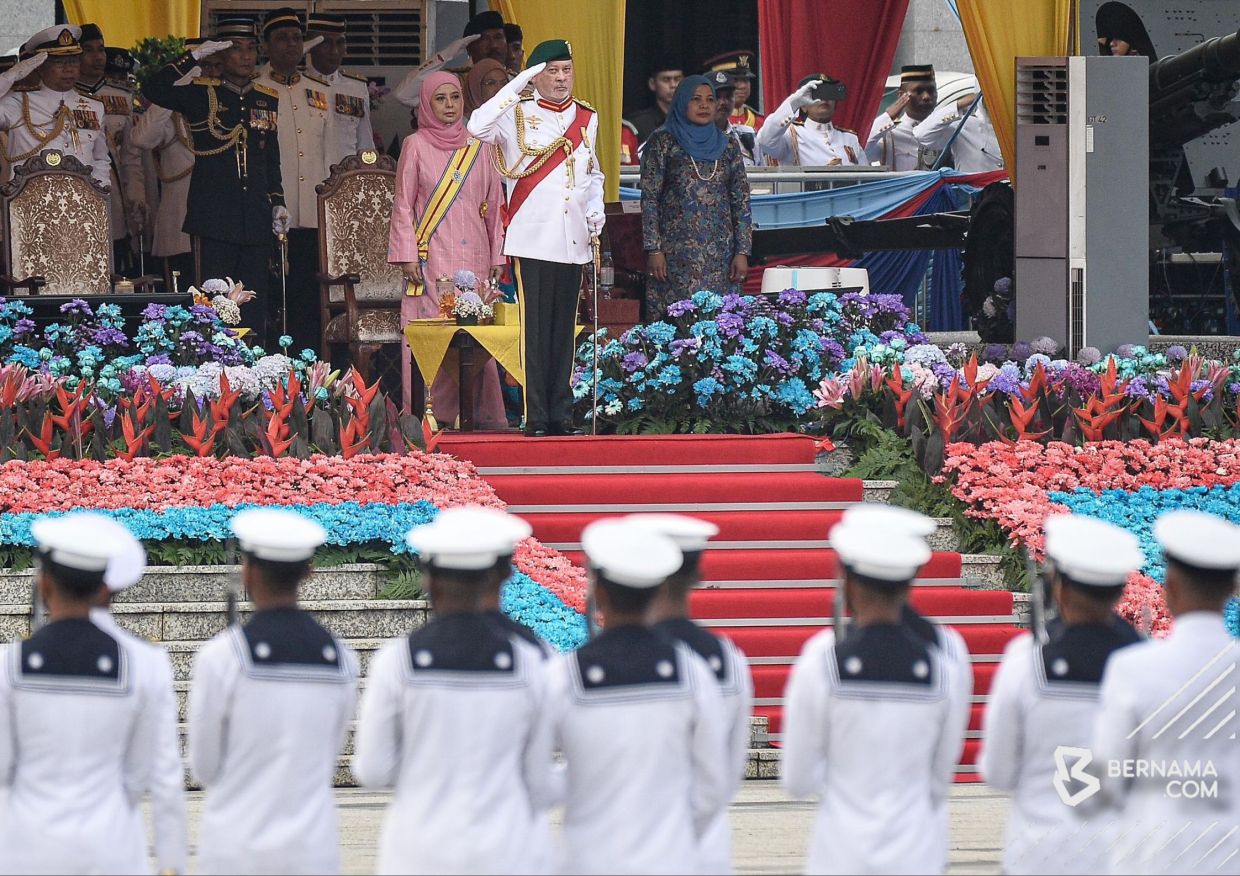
508,450
769,681
787,641
775,718
816,602
787,564
550,493
560,528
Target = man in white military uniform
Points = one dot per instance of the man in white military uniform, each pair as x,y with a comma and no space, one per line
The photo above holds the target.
455,717
975,149
305,102
670,614
1045,698
800,131
874,720
349,128
81,719
1167,719
128,194
640,722
54,116
269,707
546,147
892,142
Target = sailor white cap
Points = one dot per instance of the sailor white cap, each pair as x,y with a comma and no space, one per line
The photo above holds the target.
468,538
629,555
891,519
277,535
690,534
1199,539
1091,551
878,553
127,567
82,540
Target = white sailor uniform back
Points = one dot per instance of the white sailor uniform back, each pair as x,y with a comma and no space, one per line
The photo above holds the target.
269,706
79,724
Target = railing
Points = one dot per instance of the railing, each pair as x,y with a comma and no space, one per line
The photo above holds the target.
788,180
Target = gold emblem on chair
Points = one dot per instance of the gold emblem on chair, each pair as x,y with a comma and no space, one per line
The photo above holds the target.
370,156
52,159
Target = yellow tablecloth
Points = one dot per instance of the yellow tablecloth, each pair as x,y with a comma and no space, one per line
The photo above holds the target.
429,340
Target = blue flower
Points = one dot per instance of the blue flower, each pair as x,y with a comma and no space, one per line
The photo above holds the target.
285,341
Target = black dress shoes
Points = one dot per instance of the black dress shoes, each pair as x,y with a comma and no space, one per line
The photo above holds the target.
536,430
566,428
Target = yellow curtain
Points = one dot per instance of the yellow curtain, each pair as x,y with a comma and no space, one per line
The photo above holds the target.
127,24
999,31
595,29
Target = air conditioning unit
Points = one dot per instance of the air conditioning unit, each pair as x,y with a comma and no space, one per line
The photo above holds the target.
1082,200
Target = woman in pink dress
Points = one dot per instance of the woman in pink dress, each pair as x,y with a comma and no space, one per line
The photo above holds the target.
467,235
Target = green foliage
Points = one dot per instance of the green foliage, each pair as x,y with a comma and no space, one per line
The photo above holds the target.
403,583
16,559
741,425
153,53
183,552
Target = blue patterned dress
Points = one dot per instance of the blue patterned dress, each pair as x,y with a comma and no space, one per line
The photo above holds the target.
699,224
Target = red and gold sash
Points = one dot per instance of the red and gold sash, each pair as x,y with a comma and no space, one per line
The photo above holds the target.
575,136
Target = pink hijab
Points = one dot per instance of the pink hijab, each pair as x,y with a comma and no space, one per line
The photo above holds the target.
442,136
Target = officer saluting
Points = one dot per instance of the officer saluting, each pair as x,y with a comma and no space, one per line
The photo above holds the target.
874,721
455,717
1168,715
892,142
80,719
349,127
1045,697
269,706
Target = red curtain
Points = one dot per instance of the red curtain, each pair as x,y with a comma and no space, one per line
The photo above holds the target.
852,40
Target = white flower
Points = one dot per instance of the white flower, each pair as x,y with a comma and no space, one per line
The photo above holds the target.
229,312
216,287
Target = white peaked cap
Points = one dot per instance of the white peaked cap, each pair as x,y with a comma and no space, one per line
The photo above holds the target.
877,553
689,533
81,540
1091,551
467,539
890,518
127,567
1199,539
277,535
629,555
511,528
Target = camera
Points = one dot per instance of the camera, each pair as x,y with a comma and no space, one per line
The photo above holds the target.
829,91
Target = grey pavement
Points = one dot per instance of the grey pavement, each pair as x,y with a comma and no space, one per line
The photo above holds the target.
769,829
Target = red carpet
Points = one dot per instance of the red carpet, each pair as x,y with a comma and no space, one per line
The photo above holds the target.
774,515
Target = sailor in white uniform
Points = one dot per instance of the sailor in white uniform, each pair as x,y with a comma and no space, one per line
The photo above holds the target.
455,717
349,127
892,142
1167,722
1045,698
81,720
640,722
670,614
975,149
55,115
269,706
874,721
800,131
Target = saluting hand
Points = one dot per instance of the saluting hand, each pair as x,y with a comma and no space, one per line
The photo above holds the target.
209,48
454,48
897,108
20,71
525,77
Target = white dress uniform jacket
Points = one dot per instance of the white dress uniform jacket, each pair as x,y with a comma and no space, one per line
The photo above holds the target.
66,121
349,127
806,143
641,724
893,144
975,149
164,134
874,725
128,186
305,101
82,714
1168,707
731,670
269,707
551,223
455,718
1043,697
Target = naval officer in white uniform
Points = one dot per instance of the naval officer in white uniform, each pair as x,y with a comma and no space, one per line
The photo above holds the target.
547,150
81,719
1045,697
975,149
801,132
892,142
1168,715
348,118
269,706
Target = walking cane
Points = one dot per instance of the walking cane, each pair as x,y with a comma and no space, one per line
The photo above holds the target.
594,245
283,238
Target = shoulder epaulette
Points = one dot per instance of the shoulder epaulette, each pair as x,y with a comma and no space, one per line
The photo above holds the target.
267,90
800,122
206,80
314,78
25,88
122,84
847,131
586,105
356,76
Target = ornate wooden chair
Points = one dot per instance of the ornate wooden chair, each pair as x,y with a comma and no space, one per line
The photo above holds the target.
359,292
57,231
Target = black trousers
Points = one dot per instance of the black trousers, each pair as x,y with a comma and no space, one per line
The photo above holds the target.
305,322
547,293
245,262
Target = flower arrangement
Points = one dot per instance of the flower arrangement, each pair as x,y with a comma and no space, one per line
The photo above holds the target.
468,306
225,296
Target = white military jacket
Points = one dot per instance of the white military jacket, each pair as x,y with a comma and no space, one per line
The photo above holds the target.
269,706
82,715
731,670
874,726
549,224
66,121
163,132
349,127
892,143
1167,722
305,102
975,149
455,718
640,721
1044,697
128,185
806,143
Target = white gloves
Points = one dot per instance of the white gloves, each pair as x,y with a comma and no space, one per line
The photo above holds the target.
802,97
595,222
210,47
456,47
525,77
280,220
20,71
311,44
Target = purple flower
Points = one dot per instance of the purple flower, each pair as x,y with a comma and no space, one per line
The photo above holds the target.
730,325
1177,353
1045,345
78,306
109,337
1125,351
1089,356
23,326
680,308
994,352
792,298
1021,350
158,358
1003,286
679,347
778,362
154,312
633,361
